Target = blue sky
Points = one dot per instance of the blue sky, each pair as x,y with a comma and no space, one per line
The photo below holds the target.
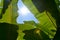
24,14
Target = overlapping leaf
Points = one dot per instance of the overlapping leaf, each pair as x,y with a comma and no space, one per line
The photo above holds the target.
46,21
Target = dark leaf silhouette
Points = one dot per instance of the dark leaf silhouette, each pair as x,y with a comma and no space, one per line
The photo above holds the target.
8,31
32,35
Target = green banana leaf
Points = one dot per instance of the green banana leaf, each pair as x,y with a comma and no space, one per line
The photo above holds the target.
10,14
44,30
